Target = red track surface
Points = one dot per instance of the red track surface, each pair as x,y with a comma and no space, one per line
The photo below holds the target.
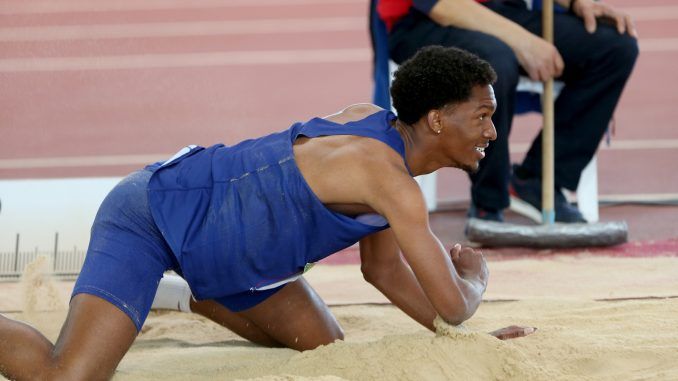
147,77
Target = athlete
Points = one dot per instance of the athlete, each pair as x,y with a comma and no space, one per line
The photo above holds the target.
240,224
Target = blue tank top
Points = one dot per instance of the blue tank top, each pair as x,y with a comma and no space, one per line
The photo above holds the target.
243,218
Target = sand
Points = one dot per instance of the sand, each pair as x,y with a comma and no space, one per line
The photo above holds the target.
578,337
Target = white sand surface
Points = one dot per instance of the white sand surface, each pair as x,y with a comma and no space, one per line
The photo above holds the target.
578,337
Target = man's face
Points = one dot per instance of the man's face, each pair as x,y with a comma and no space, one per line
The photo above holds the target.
467,128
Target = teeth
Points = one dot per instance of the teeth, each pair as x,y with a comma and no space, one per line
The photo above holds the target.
480,149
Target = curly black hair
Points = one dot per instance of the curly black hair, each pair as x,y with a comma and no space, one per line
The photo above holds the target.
434,77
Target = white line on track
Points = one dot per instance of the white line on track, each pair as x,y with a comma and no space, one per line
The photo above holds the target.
231,27
658,44
618,145
116,160
147,61
202,59
8,7
190,28
639,197
81,161
648,13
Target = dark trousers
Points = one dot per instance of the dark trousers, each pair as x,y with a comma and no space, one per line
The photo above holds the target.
597,67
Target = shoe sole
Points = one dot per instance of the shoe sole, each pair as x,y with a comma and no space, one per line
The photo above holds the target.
524,209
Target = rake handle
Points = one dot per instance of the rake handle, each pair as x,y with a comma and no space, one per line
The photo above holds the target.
547,143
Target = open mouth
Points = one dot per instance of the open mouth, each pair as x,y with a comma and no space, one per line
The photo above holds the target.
480,149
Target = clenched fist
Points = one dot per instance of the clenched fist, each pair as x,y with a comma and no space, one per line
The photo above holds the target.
469,263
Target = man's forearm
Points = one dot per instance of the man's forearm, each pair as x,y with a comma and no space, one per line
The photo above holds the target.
403,290
400,286
473,291
468,14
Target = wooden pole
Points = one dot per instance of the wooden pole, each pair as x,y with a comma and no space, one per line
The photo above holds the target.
547,144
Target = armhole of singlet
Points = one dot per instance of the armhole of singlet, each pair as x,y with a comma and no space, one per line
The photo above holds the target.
372,219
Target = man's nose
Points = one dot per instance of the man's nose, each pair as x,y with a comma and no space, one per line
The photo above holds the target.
491,132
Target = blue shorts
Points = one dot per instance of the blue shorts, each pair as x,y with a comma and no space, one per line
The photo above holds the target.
128,255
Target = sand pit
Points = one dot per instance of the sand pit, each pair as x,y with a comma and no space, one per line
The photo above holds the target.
578,338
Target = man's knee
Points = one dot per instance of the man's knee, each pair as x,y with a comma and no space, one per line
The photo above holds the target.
626,50
330,336
61,367
54,368
613,50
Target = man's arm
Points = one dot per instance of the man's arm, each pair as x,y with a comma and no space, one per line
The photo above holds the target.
383,267
432,286
539,58
437,283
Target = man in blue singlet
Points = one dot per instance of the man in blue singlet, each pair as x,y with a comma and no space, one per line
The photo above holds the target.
240,224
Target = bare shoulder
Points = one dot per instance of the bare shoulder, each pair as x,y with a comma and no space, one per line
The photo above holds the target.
391,187
354,113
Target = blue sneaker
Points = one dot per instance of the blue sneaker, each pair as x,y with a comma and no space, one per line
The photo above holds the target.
475,211
526,199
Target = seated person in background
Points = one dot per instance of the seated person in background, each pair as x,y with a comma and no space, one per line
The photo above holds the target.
594,54
241,224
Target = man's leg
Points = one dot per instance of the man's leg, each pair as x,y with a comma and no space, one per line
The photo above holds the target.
597,67
294,317
111,298
175,294
234,321
489,188
93,340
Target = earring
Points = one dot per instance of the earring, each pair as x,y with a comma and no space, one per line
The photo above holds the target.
438,131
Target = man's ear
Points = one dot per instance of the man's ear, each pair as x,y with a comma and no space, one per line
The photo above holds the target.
434,121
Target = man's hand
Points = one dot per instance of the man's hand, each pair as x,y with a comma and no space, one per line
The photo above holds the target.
512,332
470,264
539,58
590,10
